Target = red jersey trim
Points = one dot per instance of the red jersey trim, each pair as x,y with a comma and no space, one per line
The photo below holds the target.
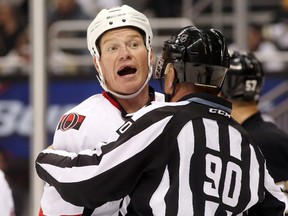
41,213
111,100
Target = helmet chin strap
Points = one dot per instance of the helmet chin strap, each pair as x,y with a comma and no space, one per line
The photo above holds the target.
167,96
124,96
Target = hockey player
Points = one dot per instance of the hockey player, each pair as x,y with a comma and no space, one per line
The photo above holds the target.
242,86
183,158
119,40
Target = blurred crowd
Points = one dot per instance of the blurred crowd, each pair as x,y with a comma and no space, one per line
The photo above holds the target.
14,31
14,27
14,43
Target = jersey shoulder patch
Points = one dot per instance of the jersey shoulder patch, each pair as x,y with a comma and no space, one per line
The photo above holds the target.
71,121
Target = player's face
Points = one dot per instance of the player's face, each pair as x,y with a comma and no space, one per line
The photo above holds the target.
124,60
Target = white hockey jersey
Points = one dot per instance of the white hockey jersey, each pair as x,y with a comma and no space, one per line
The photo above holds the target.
6,199
82,127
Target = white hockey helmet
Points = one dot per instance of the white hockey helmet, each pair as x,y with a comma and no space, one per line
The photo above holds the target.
108,19
116,17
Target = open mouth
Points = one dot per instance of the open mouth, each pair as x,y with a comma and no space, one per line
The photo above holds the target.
126,71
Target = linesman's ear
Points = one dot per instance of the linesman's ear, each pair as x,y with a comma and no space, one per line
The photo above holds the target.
169,78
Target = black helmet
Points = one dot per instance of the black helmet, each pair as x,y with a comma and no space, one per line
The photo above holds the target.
199,56
245,78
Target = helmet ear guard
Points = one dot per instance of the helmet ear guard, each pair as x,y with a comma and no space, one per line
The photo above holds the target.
179,67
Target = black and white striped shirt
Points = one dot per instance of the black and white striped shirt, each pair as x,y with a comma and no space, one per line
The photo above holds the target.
185,158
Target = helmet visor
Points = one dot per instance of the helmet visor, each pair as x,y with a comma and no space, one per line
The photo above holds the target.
205,75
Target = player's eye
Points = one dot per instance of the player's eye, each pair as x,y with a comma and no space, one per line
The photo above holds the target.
134,44
112,48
